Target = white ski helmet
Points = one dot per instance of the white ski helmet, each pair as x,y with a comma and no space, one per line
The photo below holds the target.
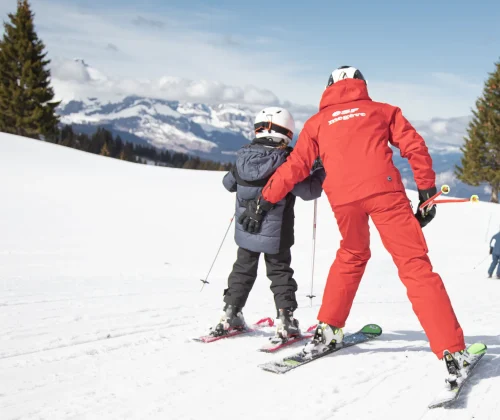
344,72
274,122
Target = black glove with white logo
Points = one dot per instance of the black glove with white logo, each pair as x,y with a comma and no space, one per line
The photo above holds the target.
317,164
428,213
251,219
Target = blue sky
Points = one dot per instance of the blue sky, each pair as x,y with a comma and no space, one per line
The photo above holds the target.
430,58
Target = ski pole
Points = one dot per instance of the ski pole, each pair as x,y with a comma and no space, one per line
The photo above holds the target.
473,199
481,263
216,255
311,296
445,189
488,229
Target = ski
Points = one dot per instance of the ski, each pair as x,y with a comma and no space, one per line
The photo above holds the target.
210,338
277,343
367,333
452,391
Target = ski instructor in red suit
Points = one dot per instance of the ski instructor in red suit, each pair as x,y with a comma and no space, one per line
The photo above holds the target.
351,134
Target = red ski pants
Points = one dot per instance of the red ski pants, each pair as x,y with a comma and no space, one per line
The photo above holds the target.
403,238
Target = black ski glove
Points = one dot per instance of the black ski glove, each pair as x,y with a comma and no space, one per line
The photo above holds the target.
425,215
317,164
491,250
252,217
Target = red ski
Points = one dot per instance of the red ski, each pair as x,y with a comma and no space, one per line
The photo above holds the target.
263,323
276,343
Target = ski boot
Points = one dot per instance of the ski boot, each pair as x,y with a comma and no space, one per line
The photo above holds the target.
458,363
286,326
231,319
325,337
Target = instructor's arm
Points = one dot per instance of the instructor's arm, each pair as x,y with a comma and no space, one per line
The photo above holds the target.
294,170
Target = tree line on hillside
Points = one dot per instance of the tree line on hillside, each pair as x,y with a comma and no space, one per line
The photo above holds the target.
28,108
102,142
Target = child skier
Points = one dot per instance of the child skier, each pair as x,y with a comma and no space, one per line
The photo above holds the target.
255,164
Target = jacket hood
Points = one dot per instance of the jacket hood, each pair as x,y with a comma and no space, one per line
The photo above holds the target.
255,161
344,91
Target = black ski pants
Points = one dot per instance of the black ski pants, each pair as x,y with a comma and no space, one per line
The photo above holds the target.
242,278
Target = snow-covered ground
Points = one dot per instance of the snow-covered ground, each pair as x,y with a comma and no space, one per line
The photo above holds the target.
100,262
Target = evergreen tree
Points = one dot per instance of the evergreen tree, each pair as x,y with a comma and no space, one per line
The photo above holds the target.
67,136
105,149
129,152
26,98
481,151
118,148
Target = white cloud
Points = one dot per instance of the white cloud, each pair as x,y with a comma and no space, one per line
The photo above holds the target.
70,70
74,79
446,178
444,135
425,100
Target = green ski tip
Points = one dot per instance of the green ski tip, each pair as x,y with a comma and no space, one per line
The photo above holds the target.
291,362
372,329
477,348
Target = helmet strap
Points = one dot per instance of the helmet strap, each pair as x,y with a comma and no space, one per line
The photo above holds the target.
269,125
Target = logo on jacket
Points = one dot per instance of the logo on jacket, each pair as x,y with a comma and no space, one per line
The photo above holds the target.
345,115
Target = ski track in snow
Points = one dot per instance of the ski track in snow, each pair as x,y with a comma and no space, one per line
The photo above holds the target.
100,262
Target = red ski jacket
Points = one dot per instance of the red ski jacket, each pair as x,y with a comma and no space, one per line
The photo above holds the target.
351,134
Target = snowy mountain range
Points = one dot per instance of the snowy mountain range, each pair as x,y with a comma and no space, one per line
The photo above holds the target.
209,131
215,130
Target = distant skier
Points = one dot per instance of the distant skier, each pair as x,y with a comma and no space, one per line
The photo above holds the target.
255,164
351,133
495,255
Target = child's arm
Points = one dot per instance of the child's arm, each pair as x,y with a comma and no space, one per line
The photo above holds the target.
311,187
229,182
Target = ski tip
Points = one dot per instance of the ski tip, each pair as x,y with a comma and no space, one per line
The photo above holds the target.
312,328
372,329
267,368
477,348
265,322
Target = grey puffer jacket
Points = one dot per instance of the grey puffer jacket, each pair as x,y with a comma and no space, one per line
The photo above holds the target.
255,164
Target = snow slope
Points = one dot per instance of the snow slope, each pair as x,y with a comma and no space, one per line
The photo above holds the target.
100,262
